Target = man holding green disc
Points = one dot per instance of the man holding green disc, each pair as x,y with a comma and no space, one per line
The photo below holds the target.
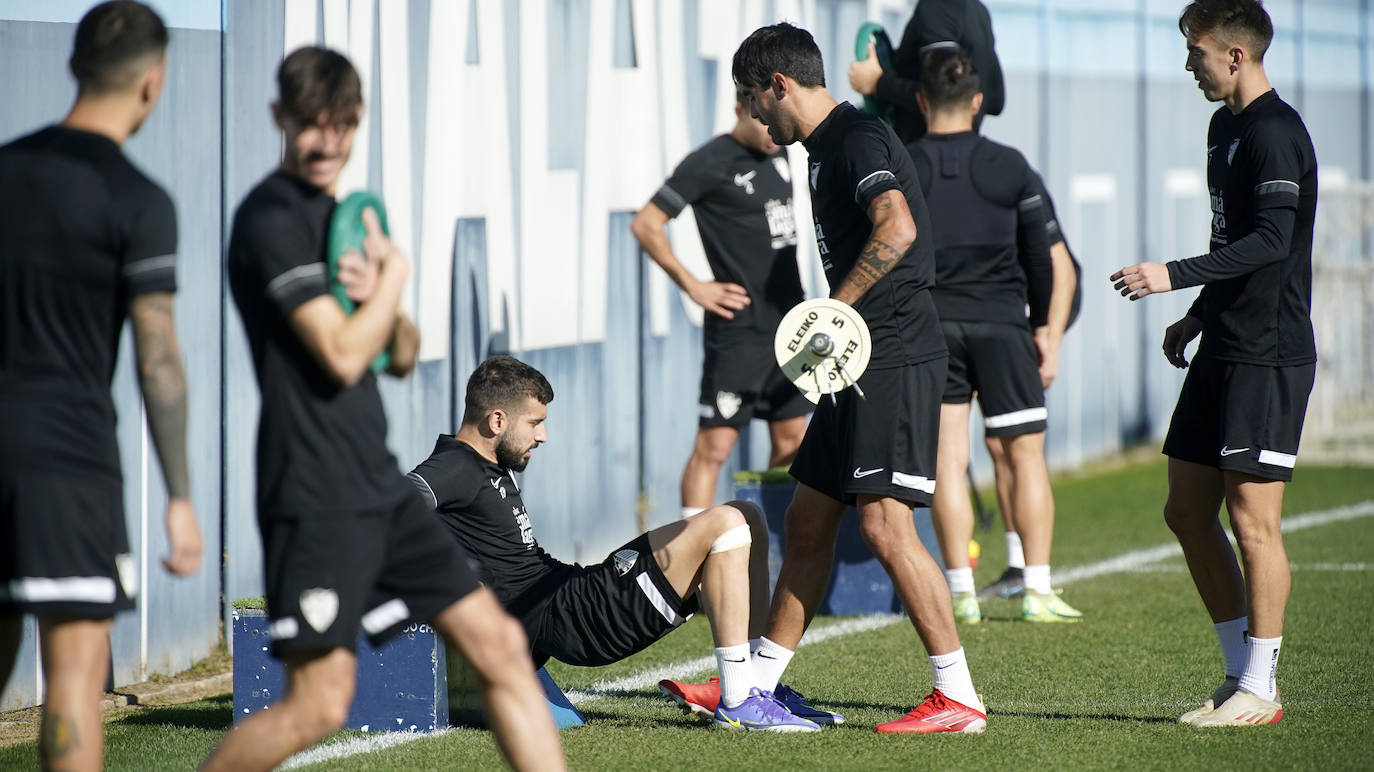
348,547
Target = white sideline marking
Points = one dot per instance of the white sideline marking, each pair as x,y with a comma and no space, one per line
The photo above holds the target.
355,746
1126,562
1174,568
647,678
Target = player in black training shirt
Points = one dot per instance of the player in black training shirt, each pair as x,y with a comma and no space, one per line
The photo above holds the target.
740,189
1065,301
595,615
347,546
958,25
88,240
992,260
1235,431
873,233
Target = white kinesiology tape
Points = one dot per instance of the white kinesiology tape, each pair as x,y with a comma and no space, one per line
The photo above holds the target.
732,539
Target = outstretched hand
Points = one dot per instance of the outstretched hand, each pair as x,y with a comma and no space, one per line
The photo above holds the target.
1137,281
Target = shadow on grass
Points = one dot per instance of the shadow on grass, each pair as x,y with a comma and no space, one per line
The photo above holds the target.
992,713
215,713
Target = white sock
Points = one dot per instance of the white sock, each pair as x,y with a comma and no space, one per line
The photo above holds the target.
1015,557
950,675
736,673
1037,579
1231,635
960,580
689,511
754,644
1258,678
769,662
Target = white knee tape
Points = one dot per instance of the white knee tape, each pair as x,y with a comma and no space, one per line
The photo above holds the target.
732,539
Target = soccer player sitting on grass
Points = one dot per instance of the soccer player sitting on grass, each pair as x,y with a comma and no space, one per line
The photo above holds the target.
593,615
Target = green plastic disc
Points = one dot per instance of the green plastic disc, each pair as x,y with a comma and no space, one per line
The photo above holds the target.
346,231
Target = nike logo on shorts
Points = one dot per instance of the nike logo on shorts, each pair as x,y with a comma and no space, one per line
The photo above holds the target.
1231,451
866,472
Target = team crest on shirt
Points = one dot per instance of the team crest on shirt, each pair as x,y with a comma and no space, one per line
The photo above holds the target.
746,181
496,483
784,171
624,561
727,403
815,173
319,608
1231,151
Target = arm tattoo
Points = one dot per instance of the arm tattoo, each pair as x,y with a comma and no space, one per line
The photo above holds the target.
874,262
162,379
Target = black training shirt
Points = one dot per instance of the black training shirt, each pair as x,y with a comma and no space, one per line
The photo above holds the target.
1056,236
321,446
1256,305
84,232
992,251
937,23
855,158
479,501
742,200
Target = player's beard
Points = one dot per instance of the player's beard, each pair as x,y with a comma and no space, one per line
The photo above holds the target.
511,454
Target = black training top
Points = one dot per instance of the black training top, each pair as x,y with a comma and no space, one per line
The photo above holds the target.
479,501
84,232
1256,307
992,252
1056,236
965,23
743,204
321,446
855,158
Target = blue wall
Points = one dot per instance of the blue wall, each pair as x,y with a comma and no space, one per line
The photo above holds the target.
513,140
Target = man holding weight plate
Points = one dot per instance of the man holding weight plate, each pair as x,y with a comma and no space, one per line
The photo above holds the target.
347,545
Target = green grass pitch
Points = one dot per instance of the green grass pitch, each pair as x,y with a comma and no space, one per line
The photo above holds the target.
1103,694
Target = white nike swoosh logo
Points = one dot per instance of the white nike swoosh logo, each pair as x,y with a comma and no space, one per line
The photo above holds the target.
858,474
1232,451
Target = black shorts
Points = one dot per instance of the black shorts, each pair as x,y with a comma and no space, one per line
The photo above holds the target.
608,611
883,445
64,550
1241,418
1000,363
740,380
329,577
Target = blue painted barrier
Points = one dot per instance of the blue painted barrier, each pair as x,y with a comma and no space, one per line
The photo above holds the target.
858,583
400,685
408,684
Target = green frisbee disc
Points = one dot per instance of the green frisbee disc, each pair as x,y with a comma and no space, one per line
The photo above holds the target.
346,231
873,32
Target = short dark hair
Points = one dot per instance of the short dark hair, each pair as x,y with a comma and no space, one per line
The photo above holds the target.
1230,21
948,78
502,382
314,81
779,48
115,43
